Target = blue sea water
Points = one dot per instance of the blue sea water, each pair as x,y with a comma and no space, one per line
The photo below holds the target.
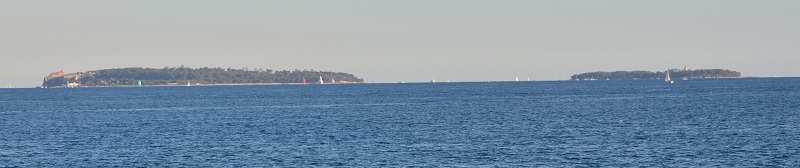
751,122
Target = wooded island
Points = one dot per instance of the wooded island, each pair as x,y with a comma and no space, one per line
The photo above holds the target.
136,76
674,73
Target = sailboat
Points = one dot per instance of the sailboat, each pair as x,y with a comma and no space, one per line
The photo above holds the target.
668,80
332,81
320,80
188,83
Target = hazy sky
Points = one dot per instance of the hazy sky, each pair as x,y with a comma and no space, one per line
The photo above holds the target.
400,40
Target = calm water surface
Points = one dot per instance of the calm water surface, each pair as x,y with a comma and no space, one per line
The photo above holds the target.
719,123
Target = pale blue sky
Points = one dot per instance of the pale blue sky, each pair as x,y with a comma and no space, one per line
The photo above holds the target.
409,40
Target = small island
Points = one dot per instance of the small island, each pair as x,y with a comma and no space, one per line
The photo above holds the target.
685,74
182,76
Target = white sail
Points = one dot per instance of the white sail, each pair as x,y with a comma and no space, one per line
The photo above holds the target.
320,80
667,79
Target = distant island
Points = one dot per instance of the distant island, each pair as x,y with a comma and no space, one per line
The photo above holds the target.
685,73
136,76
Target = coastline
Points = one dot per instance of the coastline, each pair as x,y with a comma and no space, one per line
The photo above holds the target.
199,84
277,84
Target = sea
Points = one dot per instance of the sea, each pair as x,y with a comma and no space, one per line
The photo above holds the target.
747,122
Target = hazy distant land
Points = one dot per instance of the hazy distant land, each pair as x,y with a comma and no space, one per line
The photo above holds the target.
181,76
674,74
191,76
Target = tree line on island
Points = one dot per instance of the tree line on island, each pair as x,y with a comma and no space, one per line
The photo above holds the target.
184,75
674,73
